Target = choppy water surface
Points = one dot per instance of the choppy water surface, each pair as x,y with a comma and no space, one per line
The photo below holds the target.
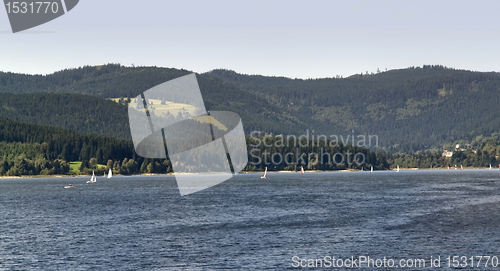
142,223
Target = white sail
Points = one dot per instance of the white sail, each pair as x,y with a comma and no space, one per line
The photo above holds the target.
92,179
371,169
265,174
397,170
110,174
301,170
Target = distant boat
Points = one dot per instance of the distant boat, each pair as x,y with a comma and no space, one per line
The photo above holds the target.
490,166
69,186
265,174
461,167
301,170
110,174
93,179
371,169
397,170
455,166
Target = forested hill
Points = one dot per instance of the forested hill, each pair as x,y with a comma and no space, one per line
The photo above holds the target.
76,112
409,109
115,81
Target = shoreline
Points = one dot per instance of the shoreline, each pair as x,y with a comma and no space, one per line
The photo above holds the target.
251,172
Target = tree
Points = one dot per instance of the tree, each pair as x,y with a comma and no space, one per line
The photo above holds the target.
109,164
84,165
93,163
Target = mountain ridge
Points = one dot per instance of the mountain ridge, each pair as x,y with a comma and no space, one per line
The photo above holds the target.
410,109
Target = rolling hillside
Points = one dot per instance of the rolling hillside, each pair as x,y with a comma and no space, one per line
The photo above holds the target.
114,81
76,112
410,109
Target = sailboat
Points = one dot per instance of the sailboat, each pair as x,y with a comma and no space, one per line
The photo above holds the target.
92,179
301,170
110,174
265,174
397,170
490,166
461,167
371,169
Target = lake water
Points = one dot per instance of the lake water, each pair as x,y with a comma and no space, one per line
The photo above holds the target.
142,223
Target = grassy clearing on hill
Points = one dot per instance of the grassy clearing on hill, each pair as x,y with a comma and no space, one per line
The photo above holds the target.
75,166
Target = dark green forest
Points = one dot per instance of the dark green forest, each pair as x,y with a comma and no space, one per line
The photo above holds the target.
49,120
115,81
31,149
411,109
76,112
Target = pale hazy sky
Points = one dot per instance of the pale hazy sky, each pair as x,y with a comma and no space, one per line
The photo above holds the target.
304,39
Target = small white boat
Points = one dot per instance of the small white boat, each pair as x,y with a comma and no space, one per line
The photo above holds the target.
461,167
110,174
397,170
371,169
265,174
69,186
93,179
490,166
301,170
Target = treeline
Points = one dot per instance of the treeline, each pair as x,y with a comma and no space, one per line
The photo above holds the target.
484,155
29,159
26,159
105,81
292,153
29,149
